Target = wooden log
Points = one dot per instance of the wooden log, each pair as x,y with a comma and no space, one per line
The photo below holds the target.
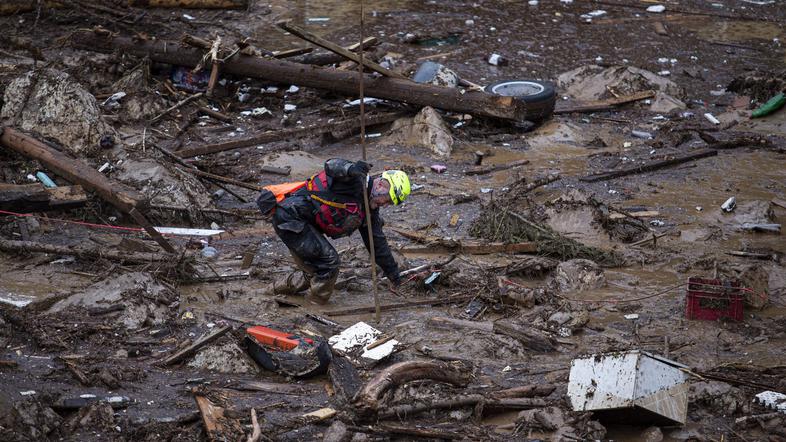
223,179
190,4
117,194
122,257
602,105
483,170
350,125
425,433
472,102
403,411
529,337
330,46
368,398
637,214
36,197
12,7
269,387
649,167
193,348
524,391
427,302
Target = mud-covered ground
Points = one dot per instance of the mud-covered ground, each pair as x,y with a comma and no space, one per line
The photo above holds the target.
724,58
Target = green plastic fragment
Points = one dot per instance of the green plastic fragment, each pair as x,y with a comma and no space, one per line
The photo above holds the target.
770,106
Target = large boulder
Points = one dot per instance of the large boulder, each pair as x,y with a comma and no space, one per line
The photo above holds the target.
162,185
223,358
139,102
144,300
578,275
52,104
426,129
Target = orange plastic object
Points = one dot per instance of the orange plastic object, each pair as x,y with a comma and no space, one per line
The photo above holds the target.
276,339
283,190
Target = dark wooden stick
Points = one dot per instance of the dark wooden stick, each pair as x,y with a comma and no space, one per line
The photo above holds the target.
386,307
649,167
193,348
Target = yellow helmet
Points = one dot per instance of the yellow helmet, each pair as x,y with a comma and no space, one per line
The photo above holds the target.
399,185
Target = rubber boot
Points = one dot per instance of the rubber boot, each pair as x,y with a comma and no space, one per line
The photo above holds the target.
287,285
322,288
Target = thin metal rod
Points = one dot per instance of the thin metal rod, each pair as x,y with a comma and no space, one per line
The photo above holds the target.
377,309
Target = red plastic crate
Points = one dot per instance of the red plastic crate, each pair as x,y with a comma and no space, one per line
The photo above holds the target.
712,299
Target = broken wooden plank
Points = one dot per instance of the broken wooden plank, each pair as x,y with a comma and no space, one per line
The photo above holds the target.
212,418
190,4
117,194
269,387
648,167
637,214
602,105
471,102
779,202
371,309
350,125
37,198
497,167
193,348
330,46
223,179
86,252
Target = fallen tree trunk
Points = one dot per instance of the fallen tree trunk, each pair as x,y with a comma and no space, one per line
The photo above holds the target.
648,167
117,194
190,4
403,411
367,400
528,337
122,257
472,102
350,126
36,197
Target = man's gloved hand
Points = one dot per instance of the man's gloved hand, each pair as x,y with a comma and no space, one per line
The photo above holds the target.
359,169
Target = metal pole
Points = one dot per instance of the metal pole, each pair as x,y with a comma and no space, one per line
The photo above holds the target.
377,315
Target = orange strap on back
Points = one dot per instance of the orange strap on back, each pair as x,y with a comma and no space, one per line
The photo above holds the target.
282,190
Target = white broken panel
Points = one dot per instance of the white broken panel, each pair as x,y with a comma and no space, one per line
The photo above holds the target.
632,380
182,231
772,400
15,300
355,340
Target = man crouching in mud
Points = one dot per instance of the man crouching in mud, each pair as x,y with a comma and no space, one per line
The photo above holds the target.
331,203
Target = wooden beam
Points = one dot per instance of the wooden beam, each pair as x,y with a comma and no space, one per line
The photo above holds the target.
86,252
193,348
471,102
648,167
348,125
602,105
36,197
427,302
119,195
330,46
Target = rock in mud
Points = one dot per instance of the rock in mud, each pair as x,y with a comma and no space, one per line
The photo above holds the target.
426,129
719,397
592,82
163,186
139,103
29,420
135,291
651,434
223,358
578,275
55,106
337,432
755,212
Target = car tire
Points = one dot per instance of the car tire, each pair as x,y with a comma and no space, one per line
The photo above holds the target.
541,96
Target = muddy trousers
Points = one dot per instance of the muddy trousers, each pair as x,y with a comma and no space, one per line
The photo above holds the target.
312,252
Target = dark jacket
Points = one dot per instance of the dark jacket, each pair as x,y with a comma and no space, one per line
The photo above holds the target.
351,188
